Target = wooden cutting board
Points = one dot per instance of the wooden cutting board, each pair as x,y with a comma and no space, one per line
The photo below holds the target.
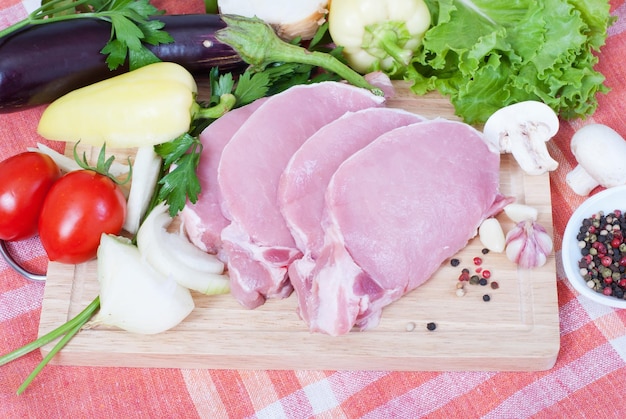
517,330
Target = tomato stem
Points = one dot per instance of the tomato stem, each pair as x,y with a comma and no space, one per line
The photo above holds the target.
103,165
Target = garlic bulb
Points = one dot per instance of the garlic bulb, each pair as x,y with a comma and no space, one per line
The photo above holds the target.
290,19
528,244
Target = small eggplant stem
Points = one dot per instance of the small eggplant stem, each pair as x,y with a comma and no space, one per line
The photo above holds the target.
257,43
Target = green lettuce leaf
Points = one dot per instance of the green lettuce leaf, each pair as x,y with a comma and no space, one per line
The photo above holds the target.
487,54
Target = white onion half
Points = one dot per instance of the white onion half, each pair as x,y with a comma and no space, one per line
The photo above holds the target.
289,18
133,295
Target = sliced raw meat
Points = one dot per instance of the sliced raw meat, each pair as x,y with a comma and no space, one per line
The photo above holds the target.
394,212
204,221
305,179
257,244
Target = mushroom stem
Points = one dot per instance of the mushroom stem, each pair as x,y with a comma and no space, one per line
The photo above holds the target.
581,182
530,150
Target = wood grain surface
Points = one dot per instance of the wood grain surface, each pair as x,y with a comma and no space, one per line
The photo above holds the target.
517,330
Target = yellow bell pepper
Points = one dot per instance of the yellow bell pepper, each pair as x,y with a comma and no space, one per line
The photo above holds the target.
378,35
151,105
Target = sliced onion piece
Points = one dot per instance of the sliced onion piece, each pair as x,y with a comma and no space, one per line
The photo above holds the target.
146,170
172,254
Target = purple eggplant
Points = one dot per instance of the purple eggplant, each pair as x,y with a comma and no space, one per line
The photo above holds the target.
38,64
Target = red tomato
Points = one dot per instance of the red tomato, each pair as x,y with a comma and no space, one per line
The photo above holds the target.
25,179
78,209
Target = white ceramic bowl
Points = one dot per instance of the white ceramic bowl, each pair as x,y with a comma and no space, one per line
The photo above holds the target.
608,201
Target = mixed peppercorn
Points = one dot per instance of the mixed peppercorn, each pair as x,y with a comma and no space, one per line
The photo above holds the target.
603,250
480,276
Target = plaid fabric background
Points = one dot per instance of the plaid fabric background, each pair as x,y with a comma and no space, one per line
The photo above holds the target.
588,379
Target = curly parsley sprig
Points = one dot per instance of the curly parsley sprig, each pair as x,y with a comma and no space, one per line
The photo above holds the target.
131,26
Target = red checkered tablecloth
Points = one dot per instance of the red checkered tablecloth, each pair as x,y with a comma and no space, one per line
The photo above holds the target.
588,380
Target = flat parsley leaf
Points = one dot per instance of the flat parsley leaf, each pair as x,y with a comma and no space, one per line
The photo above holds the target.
131,21
251,86
180,161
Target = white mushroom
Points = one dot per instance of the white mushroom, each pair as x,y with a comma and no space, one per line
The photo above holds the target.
601,156
289,18
523,129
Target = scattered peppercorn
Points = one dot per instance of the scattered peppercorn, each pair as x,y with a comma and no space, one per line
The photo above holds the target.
431,326
603,253
486,297
480,277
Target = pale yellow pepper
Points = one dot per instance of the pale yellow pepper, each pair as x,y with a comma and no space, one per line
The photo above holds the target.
151,105
378,35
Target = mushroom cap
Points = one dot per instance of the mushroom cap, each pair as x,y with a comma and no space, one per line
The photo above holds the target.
601,152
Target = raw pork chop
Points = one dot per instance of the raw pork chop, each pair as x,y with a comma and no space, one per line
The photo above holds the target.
394,212
304,181
204,221
257,243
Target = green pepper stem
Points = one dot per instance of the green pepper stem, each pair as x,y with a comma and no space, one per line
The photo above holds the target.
258,45
389,42
226,103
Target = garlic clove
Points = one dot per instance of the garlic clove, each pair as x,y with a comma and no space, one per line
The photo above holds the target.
521,212
528,244
491,235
